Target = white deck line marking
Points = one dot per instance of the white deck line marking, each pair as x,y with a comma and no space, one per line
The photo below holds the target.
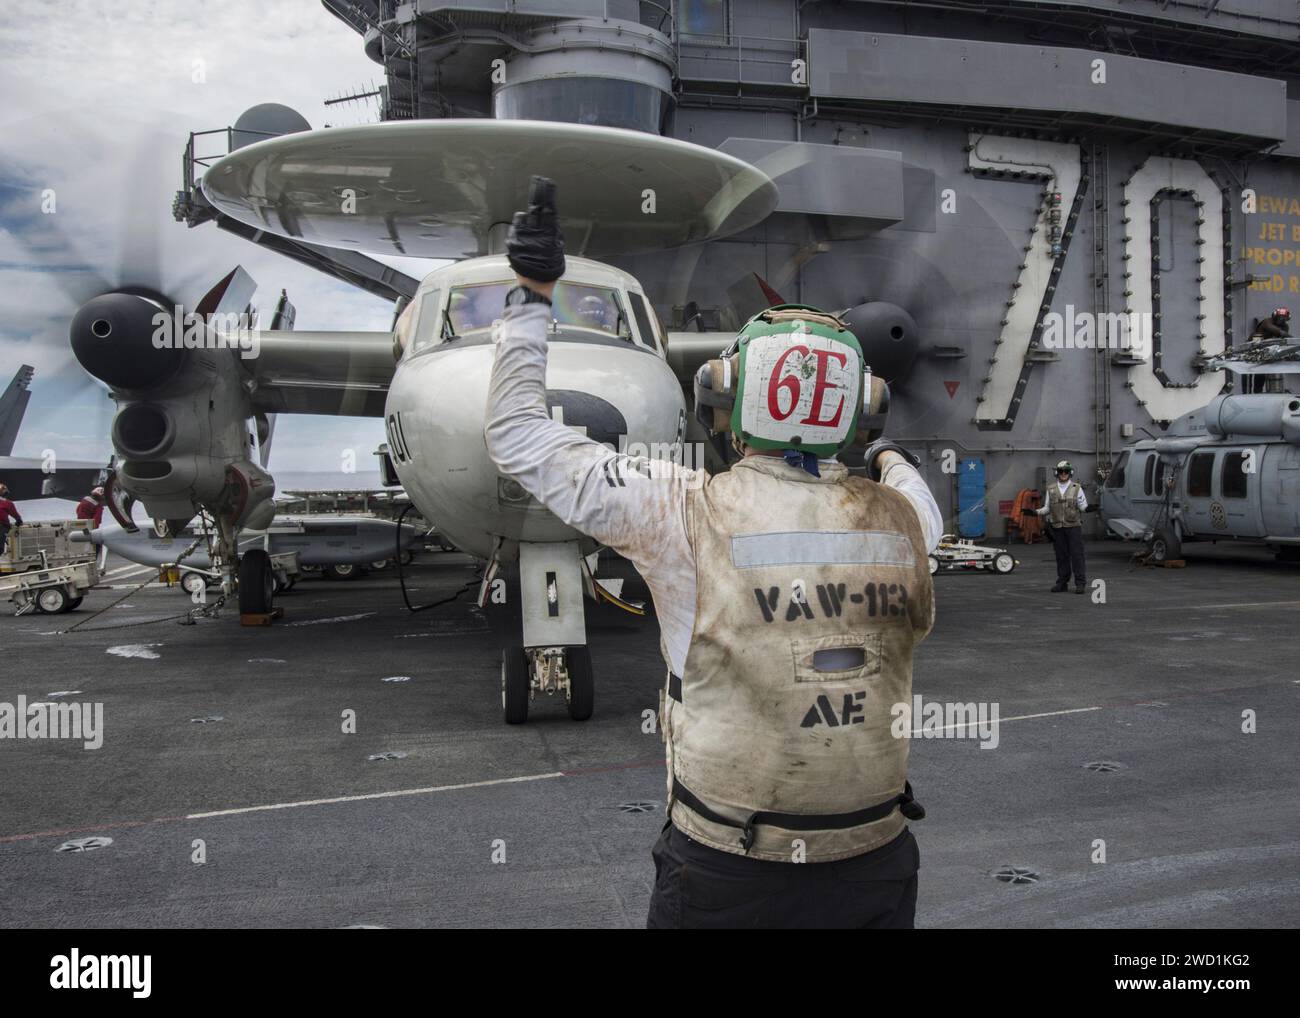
336,618
1202,607
1014,717
374,795
122,574
506,781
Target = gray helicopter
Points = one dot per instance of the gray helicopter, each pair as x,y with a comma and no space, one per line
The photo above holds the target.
1228,471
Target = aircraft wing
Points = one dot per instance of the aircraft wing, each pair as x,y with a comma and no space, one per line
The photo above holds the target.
348,373
688,350
30,478
340,373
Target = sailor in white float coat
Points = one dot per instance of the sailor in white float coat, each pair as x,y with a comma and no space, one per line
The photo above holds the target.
790,595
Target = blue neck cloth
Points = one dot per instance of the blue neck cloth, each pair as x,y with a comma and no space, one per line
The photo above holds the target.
803,460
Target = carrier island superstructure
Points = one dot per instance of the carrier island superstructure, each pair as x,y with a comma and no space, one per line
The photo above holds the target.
1055,211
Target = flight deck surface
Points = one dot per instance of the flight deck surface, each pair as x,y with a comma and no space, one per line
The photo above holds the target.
550,824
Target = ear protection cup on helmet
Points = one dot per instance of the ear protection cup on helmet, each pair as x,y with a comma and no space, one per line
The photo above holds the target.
875,410
715,392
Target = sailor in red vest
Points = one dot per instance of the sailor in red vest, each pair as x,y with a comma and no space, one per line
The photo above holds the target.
8,511
1276,326
92,508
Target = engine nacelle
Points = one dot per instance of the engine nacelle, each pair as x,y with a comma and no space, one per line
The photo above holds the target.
1262,415
888,336
181,433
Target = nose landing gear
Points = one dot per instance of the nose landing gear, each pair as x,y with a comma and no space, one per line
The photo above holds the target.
542,594
546,670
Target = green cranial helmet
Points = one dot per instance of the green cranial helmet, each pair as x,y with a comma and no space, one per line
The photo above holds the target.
800,381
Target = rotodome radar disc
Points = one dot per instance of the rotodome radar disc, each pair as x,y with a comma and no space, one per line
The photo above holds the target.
435,188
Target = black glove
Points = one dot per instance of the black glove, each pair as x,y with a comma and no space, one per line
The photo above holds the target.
885,445
534,244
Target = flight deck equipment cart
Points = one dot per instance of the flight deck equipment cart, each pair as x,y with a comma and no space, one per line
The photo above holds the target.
42,570
953,554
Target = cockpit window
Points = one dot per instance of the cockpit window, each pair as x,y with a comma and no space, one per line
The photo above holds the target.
421,335
470,308
589,307
1115,479
475,307
402,331
642,316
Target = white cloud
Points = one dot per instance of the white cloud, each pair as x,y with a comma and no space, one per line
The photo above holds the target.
99,110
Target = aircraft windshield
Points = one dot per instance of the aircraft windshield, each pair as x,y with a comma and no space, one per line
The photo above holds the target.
577,305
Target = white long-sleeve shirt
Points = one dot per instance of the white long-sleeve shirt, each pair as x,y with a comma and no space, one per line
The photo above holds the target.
1080,499
643,520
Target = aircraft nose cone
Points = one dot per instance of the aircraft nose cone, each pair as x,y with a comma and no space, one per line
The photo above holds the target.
112,337
888,336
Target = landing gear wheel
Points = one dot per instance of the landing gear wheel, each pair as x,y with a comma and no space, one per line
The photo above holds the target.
514,685
582,683
1003,563
192,583
934,565
52,600
346,571
408,557
1165,545
256,583
379,565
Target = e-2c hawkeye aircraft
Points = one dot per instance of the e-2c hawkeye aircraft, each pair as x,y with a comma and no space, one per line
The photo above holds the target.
190,418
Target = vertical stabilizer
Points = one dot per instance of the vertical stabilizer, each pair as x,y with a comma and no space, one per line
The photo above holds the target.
13,404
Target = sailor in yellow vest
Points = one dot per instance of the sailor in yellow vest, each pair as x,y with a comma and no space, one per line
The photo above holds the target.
790,596
1064,509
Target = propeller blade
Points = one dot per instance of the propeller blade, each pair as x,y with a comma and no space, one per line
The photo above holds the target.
138,257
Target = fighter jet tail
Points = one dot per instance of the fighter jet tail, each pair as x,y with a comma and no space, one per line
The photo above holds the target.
13,404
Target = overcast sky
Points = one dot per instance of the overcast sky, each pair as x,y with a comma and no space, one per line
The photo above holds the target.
97,99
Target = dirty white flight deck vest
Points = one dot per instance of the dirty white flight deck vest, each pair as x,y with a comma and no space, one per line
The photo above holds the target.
752,727
1063,510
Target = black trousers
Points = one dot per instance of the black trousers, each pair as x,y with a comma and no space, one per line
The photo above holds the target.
1068,542
4,536
698,887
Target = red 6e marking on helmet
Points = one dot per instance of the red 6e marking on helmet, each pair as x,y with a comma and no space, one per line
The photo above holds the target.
791,383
